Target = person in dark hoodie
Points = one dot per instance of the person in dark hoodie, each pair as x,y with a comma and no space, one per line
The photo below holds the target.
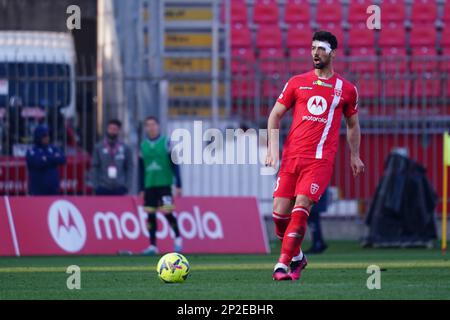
43,160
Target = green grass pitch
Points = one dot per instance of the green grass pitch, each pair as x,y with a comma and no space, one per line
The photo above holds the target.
339,273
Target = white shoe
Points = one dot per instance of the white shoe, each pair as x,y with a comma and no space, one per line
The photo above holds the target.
150,250
178,245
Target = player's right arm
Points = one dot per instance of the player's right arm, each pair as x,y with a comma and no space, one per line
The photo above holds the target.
273,128
283,104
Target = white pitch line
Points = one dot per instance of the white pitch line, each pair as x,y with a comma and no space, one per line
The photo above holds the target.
11,226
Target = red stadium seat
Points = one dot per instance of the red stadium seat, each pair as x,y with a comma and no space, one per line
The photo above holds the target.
240,36
423,59
367,85
243,87
445,63
299,36
393,11
396,86
427,85
357,10
242,60
329,11
447,90
300,60
363,59
272,87
268,36
339,64
423,11
445,37
392,35
265,12
238,12
446,16
423,35
297,11
361,36
272,61
394,60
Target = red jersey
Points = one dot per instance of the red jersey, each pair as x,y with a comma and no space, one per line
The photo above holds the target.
318,107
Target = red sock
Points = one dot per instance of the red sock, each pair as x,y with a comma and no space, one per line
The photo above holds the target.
295,233
281,223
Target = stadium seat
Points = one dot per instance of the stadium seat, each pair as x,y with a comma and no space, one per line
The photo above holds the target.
242,60
361,36
368,85
357,11
392,35
243,87
297,11
299,36
423,35
393,60
329,11
240,36
396,85
271,87
339,64
363,59
423,59
427,85
272,61
423,11
445,37
300,60
446,15
238,12
268,36
445,63
393,11
265,12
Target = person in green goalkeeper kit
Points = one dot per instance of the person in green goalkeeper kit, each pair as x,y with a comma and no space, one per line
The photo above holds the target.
156,177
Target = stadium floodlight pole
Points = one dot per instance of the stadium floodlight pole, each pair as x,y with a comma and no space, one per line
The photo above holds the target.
446,165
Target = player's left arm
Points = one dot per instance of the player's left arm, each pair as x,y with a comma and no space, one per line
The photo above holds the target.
354,141
175,169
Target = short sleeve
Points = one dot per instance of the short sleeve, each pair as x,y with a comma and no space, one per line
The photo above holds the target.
287,96
351,107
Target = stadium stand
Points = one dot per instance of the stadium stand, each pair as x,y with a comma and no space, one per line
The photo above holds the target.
423,11
393,11
400,60
328,11
297,11
266,12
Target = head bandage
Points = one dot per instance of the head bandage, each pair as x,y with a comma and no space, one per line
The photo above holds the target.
322,44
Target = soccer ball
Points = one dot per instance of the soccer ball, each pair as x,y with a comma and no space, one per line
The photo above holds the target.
173,268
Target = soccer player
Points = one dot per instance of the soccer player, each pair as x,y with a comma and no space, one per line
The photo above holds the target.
318,99
157,172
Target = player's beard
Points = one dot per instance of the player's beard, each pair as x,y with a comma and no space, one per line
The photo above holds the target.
322,64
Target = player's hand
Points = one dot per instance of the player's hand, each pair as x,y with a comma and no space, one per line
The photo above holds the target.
357,165
178,192
271,161
141,194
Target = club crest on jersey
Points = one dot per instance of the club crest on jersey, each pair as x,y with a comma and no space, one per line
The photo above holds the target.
337,92
317,105
314,188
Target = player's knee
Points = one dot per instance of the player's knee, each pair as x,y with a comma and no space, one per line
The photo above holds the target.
304,201
282,206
